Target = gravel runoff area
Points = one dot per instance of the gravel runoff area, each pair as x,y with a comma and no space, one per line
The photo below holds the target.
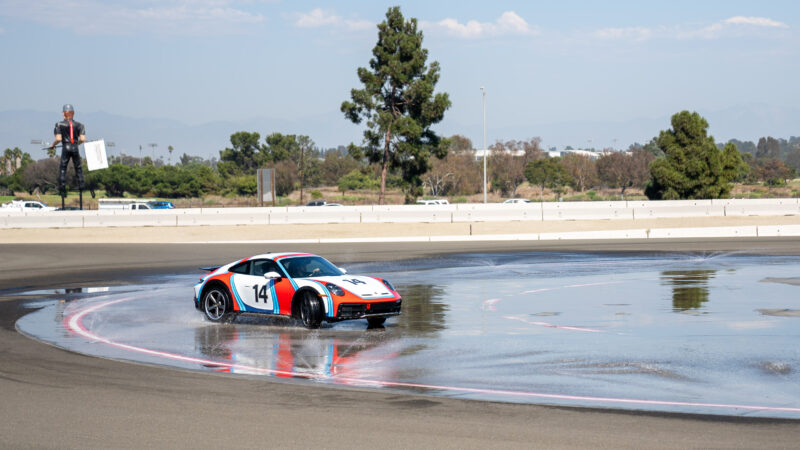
53,398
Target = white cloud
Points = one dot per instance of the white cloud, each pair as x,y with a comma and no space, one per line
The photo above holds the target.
509,23
184,17
733,26
756,21
318,17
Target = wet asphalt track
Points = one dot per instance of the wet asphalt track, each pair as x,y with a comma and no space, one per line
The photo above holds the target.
701,333
494,327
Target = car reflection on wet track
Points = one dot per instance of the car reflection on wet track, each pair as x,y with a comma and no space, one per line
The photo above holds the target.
683,332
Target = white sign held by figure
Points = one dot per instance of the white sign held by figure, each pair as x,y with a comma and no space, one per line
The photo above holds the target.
96,154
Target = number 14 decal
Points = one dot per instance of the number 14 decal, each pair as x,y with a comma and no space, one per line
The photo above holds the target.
261,293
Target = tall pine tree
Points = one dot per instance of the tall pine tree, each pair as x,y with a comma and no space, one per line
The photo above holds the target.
692,167
399,105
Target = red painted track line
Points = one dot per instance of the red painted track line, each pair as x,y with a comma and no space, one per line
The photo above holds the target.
74,323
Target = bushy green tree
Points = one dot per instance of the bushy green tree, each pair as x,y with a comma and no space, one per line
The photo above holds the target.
692,167
546,173
244,156
398,102
356,179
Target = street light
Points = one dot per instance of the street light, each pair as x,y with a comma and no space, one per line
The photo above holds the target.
483,92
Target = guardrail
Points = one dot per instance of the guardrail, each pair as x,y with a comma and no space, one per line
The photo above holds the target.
454,213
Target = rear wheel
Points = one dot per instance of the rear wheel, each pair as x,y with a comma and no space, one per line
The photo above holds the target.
310,311
217,305
375,321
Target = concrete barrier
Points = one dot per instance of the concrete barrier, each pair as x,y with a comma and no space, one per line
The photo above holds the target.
316,215
135,219
54,219
603,234
762,207
778,230
708,232
675,208
409,214
586,211
498,213
456,213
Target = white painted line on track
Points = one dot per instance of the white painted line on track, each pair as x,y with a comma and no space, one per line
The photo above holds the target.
74,323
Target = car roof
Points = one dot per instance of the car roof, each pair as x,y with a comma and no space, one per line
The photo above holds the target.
279,255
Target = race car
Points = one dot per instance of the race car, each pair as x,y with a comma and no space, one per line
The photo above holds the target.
297,285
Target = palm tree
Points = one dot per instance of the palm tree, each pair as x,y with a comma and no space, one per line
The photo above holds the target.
17,158
7,157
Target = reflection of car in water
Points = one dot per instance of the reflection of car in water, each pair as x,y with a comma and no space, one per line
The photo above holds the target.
293,354
298,285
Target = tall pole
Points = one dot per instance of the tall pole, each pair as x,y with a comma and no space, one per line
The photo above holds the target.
483,91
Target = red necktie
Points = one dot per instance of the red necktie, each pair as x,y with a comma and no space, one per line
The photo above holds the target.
71,136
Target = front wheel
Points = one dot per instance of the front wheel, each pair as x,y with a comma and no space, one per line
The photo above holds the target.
217,306
310,312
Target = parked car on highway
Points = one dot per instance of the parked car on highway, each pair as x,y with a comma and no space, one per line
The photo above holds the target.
436,201
297,285
27,205
158,204
321,203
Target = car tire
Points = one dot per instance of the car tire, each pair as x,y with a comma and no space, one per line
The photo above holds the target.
310,311
216,305
375,321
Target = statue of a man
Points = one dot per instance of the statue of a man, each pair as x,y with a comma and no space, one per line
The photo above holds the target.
70,134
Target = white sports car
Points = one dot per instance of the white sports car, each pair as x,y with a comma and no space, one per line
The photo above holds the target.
299,285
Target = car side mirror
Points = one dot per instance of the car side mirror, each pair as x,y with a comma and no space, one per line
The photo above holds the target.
272,276
344,271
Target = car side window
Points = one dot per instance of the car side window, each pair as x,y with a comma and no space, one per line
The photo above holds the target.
262,266
243,268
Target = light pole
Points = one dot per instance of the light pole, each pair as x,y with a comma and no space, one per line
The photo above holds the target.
483,91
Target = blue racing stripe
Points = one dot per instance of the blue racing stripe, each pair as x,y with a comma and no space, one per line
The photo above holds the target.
236,295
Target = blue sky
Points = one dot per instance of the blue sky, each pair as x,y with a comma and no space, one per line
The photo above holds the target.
541,62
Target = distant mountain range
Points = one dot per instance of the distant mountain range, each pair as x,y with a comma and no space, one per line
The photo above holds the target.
18,128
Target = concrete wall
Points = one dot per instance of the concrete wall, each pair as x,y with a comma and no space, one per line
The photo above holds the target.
472,212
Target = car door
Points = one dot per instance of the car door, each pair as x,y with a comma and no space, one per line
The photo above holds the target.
260,294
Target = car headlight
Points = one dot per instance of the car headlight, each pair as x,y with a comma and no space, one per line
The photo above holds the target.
335,290
389,285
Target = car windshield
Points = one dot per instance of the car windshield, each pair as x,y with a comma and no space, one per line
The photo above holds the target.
309,266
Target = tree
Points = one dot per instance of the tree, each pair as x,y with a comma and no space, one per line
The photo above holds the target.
773,171
620,170
693,167
456,173
546,172
170,149
793,159
399,104
356,179
243,157
41,175
334,166
508,161
768,147
581,169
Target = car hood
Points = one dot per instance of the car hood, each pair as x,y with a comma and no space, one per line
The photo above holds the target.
364,287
